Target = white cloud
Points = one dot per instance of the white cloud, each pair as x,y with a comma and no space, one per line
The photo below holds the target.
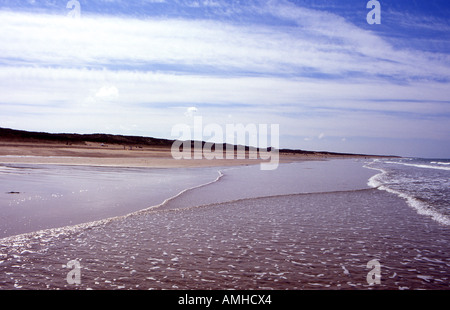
107,93
325,44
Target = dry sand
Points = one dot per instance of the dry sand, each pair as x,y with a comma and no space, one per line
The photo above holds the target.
97,154
106,155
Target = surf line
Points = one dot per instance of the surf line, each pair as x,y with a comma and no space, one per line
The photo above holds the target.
420,207
178,195
419,166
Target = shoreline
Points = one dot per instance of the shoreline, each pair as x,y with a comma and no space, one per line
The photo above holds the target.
99,154
128,182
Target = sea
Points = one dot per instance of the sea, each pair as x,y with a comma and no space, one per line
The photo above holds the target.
327,224
423,183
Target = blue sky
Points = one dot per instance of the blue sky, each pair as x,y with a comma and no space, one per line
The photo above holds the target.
317,68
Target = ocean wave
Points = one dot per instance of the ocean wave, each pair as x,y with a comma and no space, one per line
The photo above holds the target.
422,208
239,200
165,202
419,165
440,163
375,181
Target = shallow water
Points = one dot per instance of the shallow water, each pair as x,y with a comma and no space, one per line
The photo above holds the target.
245,232
423,183
35,197
304,241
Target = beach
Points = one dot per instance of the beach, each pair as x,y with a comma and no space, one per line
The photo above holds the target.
310,224
96,180
246,146
100,154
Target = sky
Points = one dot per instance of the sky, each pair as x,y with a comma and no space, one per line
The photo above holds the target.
329,78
